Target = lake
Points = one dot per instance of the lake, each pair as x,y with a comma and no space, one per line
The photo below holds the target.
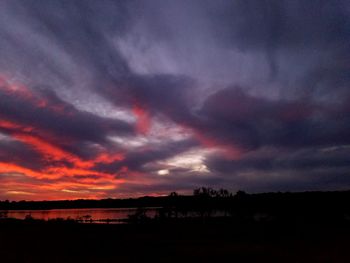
95,214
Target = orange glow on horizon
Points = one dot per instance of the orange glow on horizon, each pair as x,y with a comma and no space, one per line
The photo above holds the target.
60,173
54,187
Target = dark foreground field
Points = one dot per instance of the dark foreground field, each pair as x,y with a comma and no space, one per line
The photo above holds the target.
216,241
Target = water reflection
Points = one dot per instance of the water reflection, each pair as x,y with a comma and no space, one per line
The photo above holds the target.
83,214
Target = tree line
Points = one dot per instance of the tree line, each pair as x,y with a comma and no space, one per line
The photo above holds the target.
206,202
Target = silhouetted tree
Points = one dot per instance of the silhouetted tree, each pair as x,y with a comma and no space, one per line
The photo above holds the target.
240,194
173,194
29,217
223,193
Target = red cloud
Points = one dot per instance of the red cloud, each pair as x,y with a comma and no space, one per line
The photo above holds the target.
54,183
65,174
20,91
52,152
143,122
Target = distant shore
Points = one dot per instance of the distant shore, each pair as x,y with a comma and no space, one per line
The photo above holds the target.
273,227
204,204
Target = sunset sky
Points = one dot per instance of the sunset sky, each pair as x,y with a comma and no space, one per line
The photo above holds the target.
121,98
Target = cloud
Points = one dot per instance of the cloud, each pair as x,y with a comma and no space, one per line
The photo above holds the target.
250,122
96,97
43,111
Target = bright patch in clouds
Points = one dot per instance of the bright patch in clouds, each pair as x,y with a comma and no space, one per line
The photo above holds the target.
160,131
163,172
191,161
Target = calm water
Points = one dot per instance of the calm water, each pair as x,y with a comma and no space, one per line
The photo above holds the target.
96,214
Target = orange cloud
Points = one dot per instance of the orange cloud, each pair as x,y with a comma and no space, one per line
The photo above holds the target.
16,190
73,177
52,152
48,150
62,171
57,184
13,168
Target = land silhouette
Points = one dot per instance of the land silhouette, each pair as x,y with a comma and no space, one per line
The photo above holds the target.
208,226
212,203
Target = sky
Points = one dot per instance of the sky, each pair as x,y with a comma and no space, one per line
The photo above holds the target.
116,99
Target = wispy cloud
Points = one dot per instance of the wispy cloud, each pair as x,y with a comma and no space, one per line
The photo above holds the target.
124,98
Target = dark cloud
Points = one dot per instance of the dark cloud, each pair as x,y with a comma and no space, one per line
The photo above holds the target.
232,116
65,34
170,95
282,24
15,152
279,161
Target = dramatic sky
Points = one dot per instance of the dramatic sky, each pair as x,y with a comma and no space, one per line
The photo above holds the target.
128,98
